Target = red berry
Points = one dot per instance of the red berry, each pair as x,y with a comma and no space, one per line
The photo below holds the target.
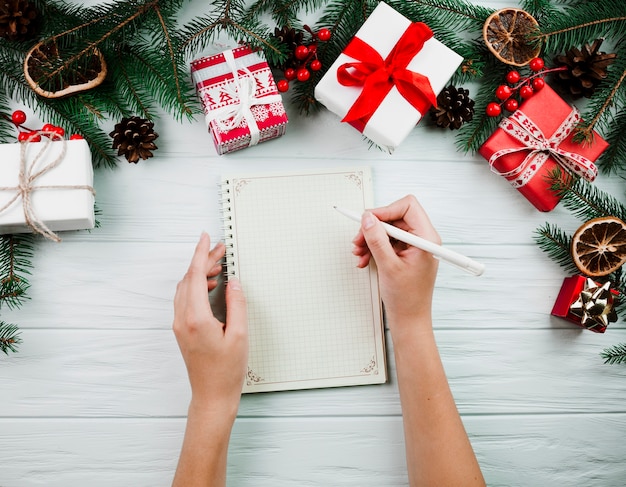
60,131
323,35
511,104
48,128
526,92
538,84
301,52
503,92
29,137
290,74
493,109
76,137
282,85
536,64
303,74
18,117
512,77
316,65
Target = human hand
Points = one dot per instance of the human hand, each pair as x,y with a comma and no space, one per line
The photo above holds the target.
406,274
215,353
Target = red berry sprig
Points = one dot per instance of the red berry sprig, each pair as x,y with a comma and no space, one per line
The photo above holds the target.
25,134
306,54
525,88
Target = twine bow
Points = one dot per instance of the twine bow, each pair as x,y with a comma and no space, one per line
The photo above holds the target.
378,76
523,129
26,183
243,90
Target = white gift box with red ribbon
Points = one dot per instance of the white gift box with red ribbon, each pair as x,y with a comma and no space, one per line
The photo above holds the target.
395,117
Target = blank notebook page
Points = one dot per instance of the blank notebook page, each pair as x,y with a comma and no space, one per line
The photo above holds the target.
314,317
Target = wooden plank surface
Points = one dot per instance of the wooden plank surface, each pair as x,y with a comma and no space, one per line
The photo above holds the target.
98,394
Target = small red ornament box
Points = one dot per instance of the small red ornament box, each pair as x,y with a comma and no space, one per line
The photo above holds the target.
568,295
547,110
218,89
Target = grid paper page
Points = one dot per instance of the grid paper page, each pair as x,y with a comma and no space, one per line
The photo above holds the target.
314,318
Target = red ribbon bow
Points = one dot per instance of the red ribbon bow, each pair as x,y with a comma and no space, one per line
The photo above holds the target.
378,76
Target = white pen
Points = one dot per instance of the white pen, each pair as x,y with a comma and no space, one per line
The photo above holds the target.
447,255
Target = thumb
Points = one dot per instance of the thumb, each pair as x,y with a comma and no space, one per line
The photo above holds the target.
377,239
236,308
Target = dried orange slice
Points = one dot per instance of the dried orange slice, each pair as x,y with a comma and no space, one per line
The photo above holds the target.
52,75
507,33
599,246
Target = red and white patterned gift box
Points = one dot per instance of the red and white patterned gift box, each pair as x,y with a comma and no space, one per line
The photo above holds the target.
239,98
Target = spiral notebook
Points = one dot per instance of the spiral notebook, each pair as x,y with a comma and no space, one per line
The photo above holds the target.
315,319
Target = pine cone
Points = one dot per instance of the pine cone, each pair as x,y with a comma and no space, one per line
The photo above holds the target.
585,69
454,108
134,138
291,38
18,19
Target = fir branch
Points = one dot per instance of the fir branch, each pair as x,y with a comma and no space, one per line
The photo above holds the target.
472,135
584,199
581,23
174,65
16,253
199,32
283,12
613,160
540,9
9,337
556,243
585,131
459,15
615,354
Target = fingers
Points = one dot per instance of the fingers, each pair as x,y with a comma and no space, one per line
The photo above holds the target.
192,291
236,309
377,240
408,214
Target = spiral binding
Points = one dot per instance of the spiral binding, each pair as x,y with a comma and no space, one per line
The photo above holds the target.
227,227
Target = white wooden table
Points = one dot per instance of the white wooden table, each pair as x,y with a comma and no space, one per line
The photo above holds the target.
97,394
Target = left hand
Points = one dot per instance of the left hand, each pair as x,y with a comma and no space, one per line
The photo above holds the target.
215,353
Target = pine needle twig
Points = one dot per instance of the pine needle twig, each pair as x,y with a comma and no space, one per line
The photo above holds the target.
9,337
615,354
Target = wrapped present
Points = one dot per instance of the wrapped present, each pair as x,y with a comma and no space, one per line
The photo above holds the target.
535,140
387,77
587,303
239,98
46,187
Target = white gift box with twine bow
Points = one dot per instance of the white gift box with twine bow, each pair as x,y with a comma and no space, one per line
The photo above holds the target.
46,187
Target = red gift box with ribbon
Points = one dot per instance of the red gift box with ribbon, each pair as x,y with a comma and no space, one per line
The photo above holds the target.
586,303
387,77
239,98
537,139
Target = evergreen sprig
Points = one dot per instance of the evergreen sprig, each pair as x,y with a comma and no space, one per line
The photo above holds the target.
16,253
615,354
556,243
581,22
9,337
583,199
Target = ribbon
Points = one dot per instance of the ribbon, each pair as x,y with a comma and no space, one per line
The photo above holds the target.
26,183
522,128
378,76
595,305
243,90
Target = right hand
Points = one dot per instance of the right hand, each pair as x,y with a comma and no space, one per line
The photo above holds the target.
406,274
